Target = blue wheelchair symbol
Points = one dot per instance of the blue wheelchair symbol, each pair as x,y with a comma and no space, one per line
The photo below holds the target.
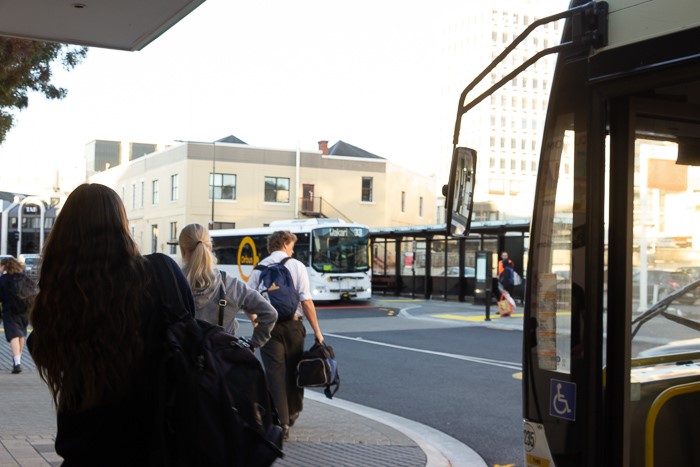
562,399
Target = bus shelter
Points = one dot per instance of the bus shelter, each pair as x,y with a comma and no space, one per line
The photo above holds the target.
424,262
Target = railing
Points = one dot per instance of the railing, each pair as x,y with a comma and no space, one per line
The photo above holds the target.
650,427
325,209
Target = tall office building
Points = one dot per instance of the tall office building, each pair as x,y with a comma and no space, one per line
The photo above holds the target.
505,128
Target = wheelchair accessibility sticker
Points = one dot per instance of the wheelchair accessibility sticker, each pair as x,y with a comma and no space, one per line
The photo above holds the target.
562,399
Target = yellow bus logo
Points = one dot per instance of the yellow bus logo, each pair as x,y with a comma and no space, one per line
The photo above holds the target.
247,258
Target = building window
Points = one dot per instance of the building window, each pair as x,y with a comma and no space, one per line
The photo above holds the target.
403,201
224,225
276,190
420,206
143,193
367,188
133,196
154,238
155,189
222,186
173,238
174,187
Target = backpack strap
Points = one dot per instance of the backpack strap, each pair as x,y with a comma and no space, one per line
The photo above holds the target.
222,298
327,390
261,267
330,355
166,284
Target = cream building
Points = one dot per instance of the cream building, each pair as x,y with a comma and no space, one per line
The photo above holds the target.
252,186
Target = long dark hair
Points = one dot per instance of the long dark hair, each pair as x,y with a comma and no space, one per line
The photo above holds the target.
86,318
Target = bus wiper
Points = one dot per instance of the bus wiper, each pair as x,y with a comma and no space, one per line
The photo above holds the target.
660,307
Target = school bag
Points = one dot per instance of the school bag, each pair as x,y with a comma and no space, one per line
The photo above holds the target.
211,399
507,276
277,286
318,368
25,291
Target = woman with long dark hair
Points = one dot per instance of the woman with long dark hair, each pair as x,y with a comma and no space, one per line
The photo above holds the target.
91,319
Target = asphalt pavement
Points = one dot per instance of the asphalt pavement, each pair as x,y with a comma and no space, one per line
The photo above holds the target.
328,433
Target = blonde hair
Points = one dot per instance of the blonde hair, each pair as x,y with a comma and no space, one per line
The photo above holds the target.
199,266
11,265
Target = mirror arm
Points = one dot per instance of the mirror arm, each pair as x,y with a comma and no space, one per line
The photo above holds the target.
590,30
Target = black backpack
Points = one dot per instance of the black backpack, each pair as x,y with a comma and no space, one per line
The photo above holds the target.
212,404
25,291
277,286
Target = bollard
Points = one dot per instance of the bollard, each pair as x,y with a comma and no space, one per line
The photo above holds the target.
487,299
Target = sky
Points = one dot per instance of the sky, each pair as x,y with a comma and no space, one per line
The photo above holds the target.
273,73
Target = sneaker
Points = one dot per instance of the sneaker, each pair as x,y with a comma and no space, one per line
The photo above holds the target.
17,369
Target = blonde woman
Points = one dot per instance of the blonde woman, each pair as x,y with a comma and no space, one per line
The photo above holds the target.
199,266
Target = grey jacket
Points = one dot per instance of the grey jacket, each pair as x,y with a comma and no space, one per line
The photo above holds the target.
240,298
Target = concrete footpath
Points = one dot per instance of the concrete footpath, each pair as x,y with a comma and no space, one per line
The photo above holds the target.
329,432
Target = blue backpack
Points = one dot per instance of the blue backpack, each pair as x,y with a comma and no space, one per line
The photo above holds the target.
508,276
277,286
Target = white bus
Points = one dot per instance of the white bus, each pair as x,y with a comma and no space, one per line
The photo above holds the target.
336,254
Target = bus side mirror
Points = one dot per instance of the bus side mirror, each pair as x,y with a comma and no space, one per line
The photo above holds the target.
459,193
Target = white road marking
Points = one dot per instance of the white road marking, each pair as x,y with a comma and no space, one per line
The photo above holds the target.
483,361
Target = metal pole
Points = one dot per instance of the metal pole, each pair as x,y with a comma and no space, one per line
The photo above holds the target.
19,230
296,194
213,191
5,223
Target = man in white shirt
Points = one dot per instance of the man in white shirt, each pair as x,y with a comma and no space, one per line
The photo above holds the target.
282,352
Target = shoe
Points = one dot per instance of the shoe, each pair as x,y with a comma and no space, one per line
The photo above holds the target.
17,369
285,431
293,418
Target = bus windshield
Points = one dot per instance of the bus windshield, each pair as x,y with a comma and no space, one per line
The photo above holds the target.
340,249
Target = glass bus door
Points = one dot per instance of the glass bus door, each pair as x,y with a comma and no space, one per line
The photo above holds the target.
611,344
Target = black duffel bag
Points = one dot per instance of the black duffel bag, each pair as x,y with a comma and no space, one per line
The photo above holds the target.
318,368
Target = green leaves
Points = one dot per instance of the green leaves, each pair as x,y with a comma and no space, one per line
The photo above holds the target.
26,66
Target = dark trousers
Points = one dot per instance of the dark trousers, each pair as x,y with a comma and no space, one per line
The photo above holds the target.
280,355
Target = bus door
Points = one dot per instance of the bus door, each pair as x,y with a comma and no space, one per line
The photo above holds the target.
652,360
611,343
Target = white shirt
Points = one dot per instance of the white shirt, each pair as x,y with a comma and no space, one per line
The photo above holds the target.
300,276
